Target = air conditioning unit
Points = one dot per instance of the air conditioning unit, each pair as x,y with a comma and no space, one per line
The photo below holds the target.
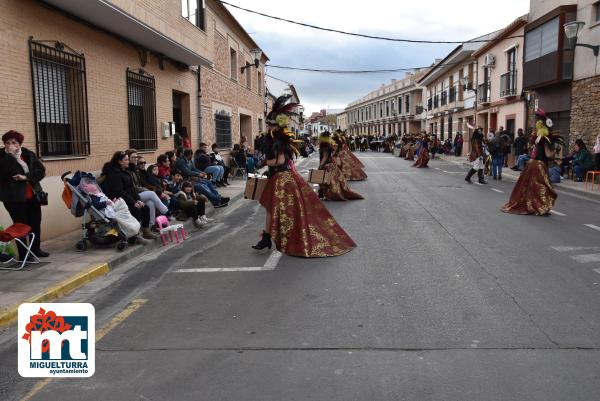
489,60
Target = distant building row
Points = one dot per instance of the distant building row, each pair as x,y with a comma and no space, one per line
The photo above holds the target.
498,81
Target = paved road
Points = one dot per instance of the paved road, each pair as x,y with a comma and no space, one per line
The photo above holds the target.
445,298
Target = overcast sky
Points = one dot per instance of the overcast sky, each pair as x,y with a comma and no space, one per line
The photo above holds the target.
292,45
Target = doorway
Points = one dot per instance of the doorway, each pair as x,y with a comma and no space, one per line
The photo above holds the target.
246,127
181,116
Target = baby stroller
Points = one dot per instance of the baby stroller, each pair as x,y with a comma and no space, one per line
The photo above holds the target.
100,229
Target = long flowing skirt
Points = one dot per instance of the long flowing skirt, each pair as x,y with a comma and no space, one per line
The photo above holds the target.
402,152
337,189
422,160
351,171
533,193
300,223
410,154
352,156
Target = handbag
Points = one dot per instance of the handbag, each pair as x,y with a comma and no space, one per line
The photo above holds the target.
41,197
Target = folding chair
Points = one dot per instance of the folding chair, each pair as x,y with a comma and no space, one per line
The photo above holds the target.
237,169
22,235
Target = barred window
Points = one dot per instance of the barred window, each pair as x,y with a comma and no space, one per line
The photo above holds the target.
141,110
223,129
60,100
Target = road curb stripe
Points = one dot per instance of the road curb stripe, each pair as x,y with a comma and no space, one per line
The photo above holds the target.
8,316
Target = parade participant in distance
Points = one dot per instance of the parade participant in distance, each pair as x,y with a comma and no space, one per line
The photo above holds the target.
296,219
350,168
337,189
424,155
476,157
533,193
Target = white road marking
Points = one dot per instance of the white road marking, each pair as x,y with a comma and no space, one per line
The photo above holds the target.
478,183
497,190
273,260
589,258
437,168
597,271
270,264
575,248
558,213
592,227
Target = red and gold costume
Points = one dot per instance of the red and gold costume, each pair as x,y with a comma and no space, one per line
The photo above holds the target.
297,221
423,158
349,164
337,189
533,193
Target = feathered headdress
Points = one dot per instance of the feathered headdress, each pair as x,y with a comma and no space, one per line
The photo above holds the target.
325,137
281,111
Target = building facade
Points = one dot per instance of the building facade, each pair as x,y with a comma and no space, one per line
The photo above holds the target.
342,120
82,80
449,107
501,100
392,109
548,64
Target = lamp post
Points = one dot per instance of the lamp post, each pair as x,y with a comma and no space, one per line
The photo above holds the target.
572,31
257,54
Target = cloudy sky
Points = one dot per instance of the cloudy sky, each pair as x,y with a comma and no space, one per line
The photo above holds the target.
292,45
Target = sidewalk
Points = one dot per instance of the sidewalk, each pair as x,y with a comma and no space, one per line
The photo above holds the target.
511,175
68,269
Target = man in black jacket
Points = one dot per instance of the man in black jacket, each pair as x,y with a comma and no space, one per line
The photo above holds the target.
520,146
204,163
218,160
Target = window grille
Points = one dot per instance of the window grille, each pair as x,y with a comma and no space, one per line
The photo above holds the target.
223,128
141,110
60,100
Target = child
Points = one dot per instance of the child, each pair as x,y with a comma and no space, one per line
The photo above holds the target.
191,205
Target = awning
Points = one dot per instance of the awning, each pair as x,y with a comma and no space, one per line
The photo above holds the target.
107,16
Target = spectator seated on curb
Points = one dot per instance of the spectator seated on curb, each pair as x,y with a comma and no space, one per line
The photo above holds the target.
191,205
217,159
185,165
204,163
118,183
173,187
164,167
137,170
582,161
158,185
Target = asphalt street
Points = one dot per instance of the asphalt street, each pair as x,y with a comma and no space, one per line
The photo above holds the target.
445,298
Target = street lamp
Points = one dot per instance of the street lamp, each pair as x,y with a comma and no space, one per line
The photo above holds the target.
572,30
257,54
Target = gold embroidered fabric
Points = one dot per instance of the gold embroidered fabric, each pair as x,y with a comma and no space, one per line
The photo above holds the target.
337,189
533,193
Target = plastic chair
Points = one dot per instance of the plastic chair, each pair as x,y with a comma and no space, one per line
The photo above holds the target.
163,224
593,175
22,235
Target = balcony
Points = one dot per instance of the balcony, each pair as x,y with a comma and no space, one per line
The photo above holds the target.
429,104
419,110
508,84
435,102
483,93
444,98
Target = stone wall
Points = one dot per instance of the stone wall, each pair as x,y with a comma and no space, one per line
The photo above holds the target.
585,110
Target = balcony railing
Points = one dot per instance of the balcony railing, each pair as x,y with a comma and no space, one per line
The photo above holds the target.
444,98
483,93
429,104
419,110
508,84
435,102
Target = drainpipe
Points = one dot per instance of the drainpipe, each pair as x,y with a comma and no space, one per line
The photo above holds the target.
199,107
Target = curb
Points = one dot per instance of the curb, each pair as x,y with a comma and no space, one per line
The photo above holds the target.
61,289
